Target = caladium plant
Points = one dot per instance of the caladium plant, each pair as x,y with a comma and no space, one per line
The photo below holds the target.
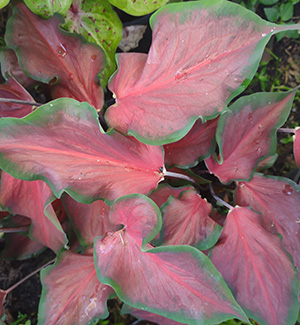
163,250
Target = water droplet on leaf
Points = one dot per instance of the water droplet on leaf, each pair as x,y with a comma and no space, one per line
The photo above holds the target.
93,57
180,75
263,34
287,189
61,51
259,151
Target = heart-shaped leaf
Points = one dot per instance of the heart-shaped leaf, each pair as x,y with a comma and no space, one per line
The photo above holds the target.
210,55
47,9
48,54
278,200
97,22
71,291
257,269
13,90
186,221
138,7
241,148
178,282
32,199
89,220
196,145
62,142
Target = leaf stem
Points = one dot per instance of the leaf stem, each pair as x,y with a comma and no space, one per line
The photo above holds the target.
17,101
286,130
28,276
177,175
227,205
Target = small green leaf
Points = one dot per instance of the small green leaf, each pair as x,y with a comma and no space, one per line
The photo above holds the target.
288,33
268,2
3,3
98,23
286,11
46,9
138,7
272,14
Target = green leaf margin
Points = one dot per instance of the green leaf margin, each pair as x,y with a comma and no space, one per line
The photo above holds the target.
203,261
258,100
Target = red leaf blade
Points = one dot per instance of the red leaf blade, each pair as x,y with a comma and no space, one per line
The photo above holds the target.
297,146
164,191
89,220
61,142
31,199
186,221
2,299
13,90
47,54
145,315
190,73
10,67
178,282
241,148
71,291
278,200
265,283
197,144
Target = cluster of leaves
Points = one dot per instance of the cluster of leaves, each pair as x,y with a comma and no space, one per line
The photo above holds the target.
93,196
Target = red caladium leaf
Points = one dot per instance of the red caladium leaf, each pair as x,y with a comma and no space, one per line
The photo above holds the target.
178,282
241,148
189,73
62,142
265,282
142,314
32,199
71,291
186,221
48,54
20,247
278,200
164,191
297,146
10,67
13,90
196,145
89,220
